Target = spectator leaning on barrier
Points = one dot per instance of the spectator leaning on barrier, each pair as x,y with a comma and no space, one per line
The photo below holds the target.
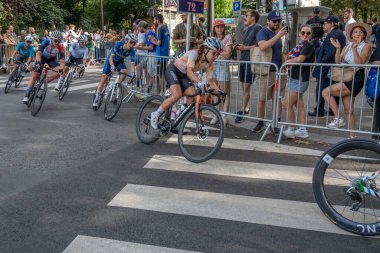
268,38
10,42
298,82
375,59
179,35
326,54
357,51
316,24
222,69
32,32
249,40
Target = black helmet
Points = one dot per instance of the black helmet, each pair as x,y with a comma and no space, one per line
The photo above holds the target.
316,10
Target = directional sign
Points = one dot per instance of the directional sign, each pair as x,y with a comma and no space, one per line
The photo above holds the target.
191,6
236,8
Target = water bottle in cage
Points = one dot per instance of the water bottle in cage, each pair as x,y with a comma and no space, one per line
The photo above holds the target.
173,114
108,89
181,109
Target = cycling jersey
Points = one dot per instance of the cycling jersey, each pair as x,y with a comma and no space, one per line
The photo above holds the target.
24,51
119,54
77,51
188,60
51,54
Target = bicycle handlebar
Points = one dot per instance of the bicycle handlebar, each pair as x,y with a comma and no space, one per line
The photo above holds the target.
220,95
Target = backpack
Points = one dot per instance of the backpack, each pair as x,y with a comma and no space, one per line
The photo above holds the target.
372,88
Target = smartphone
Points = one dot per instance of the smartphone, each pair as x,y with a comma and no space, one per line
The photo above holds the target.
286,29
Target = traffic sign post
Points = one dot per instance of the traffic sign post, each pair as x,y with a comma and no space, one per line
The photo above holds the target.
236,8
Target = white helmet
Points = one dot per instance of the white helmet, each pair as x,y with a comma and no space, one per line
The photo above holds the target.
29,38
213,44
56,35
82,38
131,37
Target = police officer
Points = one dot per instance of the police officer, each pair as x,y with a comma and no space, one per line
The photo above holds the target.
316,24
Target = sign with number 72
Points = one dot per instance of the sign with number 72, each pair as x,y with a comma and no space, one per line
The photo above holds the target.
191,6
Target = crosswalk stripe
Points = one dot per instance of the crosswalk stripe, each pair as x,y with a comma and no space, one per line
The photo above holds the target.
263,171
264,211
82,87
88,244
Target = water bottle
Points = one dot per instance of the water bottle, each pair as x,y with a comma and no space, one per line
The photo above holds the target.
181,109
108,89
173,114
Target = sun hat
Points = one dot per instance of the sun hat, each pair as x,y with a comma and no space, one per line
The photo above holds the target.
350,27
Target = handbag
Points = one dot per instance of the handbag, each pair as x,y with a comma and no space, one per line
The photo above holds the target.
341,74
258,55
373,80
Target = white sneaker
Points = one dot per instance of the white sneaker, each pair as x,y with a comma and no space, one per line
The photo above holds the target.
154,120
59,84
25,100
336,123
289,133
301,133
214,120
75,76
95,104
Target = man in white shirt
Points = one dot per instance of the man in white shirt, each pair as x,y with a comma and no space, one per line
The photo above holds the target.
348,14
65,35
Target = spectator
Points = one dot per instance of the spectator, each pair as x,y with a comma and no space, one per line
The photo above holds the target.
10,42
298,82
22,35
326,54
375,59
373,22
91,47
246,76
316,24
179,35
11,31
162,48
2,51
201,23
348,14
66,35
150,48
222,69
32,32
268,38
97,38
73,35
357,51
45,35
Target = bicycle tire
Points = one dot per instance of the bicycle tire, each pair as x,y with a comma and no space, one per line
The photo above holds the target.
330,175
145,133
195,154
65,87
10,81
113,103
17,84
39,95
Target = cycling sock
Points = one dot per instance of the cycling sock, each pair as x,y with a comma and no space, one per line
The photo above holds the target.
27,91
159,111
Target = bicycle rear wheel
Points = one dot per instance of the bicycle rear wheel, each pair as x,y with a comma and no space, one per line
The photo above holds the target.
19,71
113,102
144,131
336,177
39,96
65,87
10,81
200,146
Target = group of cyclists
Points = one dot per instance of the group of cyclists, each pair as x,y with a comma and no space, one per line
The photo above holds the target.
181,75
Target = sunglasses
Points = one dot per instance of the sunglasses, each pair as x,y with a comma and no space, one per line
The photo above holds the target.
28,42
276,21
307,33
248,16
82,42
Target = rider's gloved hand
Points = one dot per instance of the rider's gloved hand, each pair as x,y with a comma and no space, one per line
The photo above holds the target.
112,68
201,84
36,64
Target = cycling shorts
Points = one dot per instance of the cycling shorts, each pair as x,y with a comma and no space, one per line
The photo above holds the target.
174,76
51,63
72,60
21,58
107,67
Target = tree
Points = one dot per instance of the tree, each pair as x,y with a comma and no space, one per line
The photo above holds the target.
223,8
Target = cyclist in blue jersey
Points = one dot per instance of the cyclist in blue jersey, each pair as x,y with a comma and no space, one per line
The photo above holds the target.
78,53
24,50
50,52
115,62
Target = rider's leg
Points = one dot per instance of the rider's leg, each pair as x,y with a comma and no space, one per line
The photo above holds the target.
99,90
35,75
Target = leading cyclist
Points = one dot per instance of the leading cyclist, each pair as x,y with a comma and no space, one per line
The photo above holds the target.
181,75
115,61
50,52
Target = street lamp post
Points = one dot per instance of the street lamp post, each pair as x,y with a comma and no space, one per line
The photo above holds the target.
101,14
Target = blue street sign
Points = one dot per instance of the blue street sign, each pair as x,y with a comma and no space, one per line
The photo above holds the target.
191,6
236,6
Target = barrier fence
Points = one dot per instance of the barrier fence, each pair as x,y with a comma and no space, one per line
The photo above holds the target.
248,93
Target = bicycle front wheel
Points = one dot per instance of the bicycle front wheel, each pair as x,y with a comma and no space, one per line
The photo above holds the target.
144,131
10,80
113,102
199,140
39,97
339,180
65,87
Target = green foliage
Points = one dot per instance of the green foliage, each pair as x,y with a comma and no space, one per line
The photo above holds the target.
363,9
223,8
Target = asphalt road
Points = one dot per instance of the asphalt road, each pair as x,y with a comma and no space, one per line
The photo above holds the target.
72,182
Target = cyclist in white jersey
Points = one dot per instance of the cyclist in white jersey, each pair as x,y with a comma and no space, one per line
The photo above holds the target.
180,75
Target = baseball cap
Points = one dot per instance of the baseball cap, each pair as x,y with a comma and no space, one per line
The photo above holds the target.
218,22
332,19
274,15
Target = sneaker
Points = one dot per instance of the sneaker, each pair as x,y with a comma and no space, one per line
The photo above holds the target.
301,133
59,84
75,76
154,120
289,133
25,100
96,103
336,123
258,128
239,118
214,120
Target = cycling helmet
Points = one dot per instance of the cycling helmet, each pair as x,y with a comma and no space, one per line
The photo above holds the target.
213,44
316,10
56,35
82,38
29,38
131,37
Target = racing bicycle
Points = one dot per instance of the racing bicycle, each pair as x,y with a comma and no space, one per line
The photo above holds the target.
198,140
346,185
68,79
16,76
